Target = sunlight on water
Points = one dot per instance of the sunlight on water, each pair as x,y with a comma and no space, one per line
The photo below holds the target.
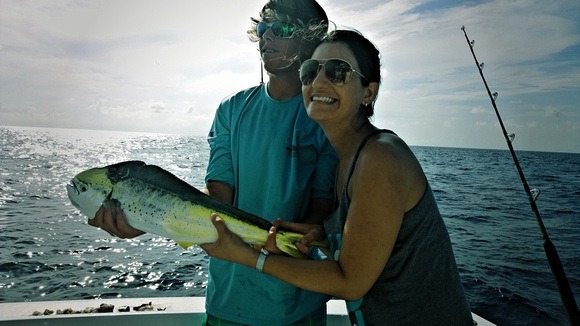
48,251
36,165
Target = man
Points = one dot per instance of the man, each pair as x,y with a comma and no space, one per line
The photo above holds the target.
270,159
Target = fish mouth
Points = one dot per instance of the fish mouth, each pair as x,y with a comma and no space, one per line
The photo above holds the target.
72,192
72,186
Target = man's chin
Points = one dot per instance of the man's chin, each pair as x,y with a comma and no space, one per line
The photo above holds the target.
281,65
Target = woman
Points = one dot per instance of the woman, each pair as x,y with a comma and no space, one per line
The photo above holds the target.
391,256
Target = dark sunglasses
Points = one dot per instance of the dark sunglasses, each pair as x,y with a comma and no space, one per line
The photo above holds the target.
338,71
279,29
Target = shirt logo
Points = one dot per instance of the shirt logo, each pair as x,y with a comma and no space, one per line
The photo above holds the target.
293,149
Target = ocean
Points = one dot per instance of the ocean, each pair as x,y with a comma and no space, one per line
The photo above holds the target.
48,252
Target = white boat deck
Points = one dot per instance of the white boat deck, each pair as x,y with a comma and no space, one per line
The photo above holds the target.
174,311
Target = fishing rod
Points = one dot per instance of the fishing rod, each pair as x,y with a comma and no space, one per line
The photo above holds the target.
553,259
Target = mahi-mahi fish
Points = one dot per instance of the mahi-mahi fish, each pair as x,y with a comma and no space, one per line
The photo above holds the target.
155,201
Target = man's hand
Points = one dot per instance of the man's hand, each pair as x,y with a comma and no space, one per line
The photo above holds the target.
229,246
110,218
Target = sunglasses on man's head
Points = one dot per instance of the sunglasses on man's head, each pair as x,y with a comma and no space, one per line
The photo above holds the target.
337,71
279,29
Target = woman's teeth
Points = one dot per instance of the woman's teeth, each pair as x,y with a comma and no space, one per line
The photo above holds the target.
323,99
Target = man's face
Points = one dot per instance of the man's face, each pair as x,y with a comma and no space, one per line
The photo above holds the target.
279,53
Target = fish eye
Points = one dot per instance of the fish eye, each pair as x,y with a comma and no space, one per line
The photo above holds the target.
83,188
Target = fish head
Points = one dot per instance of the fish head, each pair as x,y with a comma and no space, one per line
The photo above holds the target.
88,189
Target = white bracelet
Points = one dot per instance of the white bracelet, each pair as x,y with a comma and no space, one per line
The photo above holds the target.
261,259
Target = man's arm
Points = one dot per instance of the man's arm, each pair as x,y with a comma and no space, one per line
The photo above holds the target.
219,191
318,210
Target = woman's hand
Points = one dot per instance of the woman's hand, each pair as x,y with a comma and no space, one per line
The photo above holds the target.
312,233
110,218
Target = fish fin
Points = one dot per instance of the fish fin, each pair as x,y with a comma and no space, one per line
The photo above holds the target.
292,251
286,242
185,245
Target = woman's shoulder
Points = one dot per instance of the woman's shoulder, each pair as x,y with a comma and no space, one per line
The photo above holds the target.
387,159
387,149
387,178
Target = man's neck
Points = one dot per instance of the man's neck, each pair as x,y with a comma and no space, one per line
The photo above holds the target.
284,86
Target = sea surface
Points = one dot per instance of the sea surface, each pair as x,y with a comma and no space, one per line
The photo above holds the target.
48,252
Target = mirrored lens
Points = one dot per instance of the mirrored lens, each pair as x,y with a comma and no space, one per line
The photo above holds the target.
261,29
284,30
309,71
279,29
337,71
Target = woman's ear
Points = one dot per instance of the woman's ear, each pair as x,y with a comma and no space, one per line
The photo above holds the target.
371,93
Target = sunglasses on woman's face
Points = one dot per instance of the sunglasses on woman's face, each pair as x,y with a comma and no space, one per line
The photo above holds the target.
279,29
337,71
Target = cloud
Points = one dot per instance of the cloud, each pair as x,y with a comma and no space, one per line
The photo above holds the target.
158,107
150,65
480,110
552,112
527,47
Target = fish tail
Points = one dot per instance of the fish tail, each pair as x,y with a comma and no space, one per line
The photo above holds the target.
290,249
286,242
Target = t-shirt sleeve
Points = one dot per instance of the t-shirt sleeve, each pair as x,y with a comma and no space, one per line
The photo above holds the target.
220,167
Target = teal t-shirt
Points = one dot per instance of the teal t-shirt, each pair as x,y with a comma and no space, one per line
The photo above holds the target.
275,158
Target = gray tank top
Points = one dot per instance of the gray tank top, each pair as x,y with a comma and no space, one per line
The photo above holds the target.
420,284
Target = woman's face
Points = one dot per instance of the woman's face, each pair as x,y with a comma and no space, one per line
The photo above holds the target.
326,101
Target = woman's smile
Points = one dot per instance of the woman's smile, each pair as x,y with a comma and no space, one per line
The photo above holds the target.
324,99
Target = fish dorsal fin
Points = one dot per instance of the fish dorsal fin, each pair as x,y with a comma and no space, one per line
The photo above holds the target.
120,171
151,174
163,179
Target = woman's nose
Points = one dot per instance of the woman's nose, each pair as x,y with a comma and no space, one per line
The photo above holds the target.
320,76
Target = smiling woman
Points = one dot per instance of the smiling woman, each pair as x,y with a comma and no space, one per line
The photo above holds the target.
390,253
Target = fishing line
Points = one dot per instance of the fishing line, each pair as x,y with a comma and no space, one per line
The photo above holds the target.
261,72
290,59
553,258
284,58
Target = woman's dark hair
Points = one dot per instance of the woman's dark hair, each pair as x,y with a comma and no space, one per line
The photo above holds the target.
367,56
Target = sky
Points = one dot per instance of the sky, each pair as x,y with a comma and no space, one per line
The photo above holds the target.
164,66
